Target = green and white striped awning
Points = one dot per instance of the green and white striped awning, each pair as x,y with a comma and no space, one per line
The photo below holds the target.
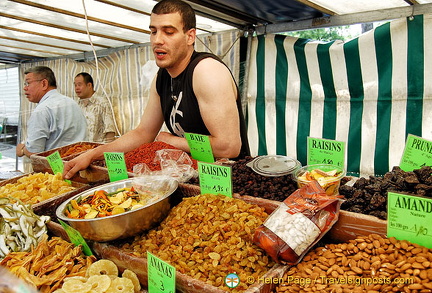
369,92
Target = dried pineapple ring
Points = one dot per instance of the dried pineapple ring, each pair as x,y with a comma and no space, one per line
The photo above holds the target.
121,285
103,267
60,290
134,278
79,278
76,286
99,283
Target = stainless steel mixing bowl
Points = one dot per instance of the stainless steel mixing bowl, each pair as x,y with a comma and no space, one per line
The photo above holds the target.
121,225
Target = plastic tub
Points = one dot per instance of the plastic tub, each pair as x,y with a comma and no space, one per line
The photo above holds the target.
274,165
328,176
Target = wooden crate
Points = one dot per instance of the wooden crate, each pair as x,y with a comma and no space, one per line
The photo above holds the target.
93,174
48,207
349,226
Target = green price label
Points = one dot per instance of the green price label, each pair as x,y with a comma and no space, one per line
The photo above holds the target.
417,153
76,238
408,218
200,147
161,276
116,166
325,151
215,179
56,163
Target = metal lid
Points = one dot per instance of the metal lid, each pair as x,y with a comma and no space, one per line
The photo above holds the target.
274,165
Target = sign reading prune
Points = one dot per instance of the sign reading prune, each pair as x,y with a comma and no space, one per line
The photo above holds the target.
417,153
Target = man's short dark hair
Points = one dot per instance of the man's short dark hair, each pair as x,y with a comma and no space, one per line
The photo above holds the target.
87,77
172,6
43,72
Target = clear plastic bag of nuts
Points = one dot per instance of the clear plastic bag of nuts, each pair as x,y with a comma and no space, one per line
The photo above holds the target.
298,223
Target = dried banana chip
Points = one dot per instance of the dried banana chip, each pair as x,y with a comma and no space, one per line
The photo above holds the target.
103,267
99,283
134,278
76,286
121,285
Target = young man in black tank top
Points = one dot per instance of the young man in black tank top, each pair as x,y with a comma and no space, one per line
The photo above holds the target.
208,96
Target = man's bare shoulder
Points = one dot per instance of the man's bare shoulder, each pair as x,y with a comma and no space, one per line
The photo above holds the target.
211,67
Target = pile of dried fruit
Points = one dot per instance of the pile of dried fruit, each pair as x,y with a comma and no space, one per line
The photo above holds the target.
208,237
146,154
20,228
46,266
78,148
367,264
247,182
369,195
36,187
102,276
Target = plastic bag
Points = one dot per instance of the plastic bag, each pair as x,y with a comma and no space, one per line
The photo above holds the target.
174,163
153,186
298,223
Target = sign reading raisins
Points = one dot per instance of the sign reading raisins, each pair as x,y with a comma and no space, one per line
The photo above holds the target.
325,151
215,179
116,166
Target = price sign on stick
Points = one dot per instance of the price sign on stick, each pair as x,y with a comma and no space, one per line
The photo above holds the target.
409,218
161,275
56,163
116,166
76,238
325,151
200,147
215,179
417,153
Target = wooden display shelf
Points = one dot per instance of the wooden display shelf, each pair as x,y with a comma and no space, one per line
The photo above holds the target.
48,207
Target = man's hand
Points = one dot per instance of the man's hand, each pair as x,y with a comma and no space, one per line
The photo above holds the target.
73,166
20,150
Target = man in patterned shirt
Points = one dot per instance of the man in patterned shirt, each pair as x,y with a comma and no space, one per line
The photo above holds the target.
100,119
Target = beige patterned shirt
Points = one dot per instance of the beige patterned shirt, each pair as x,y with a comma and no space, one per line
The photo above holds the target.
99,117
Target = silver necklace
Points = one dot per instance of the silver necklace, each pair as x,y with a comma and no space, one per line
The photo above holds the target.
174,97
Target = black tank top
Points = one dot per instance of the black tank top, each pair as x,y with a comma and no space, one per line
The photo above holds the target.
180,106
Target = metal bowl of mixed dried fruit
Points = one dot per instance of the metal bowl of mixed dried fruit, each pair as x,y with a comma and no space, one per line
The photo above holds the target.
119,209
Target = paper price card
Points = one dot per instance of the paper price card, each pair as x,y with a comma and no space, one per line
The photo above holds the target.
215,179
116,166
161,275
409,218
200,147
56,163
417,153
76,238
325,151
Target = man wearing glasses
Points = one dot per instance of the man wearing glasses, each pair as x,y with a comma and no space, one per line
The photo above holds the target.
56,121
